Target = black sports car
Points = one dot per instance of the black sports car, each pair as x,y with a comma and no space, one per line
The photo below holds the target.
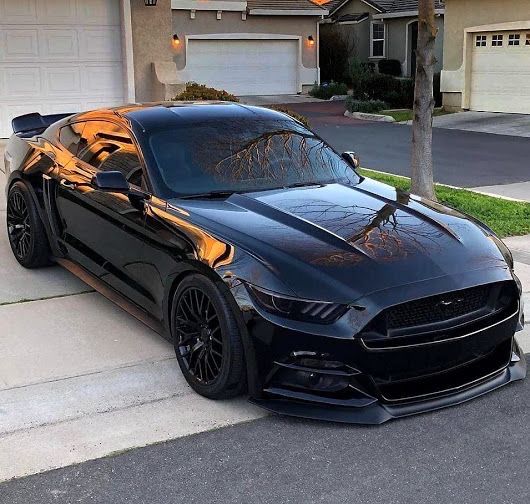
272,265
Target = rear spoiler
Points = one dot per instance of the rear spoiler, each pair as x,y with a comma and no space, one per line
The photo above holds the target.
34,124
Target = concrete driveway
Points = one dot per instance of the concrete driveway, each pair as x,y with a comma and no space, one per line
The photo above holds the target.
486,122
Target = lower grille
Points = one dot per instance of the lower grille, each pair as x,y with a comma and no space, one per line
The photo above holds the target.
449,381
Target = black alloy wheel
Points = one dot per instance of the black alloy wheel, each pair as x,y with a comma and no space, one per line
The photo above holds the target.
19,225
25,230
207,338
199,336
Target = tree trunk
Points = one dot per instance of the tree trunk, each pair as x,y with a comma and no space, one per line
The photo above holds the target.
422,164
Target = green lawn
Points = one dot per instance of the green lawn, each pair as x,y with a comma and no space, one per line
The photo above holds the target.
406,115
506,218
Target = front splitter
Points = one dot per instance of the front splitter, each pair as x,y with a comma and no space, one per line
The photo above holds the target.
378,413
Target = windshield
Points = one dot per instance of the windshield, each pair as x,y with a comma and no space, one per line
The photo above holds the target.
243,155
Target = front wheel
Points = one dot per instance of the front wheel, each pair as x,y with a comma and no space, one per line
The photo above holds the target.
207,339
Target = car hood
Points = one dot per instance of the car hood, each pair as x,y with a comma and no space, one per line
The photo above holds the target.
337,242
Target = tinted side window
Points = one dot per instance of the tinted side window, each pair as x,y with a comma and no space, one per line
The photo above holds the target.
71,136
109,147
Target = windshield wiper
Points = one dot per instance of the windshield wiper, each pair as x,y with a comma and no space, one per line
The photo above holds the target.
304,184
208,195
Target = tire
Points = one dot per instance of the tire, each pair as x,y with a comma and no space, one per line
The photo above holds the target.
207,339
26,233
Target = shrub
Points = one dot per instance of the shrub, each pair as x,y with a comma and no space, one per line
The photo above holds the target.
334,50
295,115
196,91
390,67
370,106
396,92
328,89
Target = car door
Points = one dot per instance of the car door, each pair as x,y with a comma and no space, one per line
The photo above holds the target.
102,230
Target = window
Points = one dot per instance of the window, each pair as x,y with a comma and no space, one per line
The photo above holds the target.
514,39
481,41
496,40
109,147
71,137
378,40
528,39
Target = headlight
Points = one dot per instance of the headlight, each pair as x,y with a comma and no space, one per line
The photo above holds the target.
319,312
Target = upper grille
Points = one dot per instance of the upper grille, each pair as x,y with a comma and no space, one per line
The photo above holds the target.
439,308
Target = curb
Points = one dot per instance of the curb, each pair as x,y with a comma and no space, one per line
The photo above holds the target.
363,116
470,189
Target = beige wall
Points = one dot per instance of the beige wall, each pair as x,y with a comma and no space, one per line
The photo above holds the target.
151,31
205,22
462,14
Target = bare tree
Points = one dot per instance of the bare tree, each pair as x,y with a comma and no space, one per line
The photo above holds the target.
422,163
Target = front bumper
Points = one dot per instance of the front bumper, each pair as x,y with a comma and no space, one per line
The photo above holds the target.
353,381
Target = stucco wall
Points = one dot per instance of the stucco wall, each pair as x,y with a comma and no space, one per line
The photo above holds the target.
399,44
151,30
206,22
462,14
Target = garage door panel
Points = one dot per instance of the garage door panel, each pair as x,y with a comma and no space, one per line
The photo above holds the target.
97,12
100,43
21,45
22,82
59,44
102,80
61,81
245,66
21,11
500,76
57,12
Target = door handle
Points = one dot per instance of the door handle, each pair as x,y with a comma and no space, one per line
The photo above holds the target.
67,185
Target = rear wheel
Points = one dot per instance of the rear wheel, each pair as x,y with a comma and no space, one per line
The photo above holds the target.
26,233
207,339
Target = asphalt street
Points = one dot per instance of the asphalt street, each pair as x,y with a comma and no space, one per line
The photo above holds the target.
461,158
476,453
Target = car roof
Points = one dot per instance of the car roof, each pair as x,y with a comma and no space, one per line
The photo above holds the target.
151,116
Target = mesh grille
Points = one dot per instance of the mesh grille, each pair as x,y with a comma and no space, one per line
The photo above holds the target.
438,308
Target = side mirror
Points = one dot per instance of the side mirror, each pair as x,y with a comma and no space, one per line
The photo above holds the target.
352,159
112,181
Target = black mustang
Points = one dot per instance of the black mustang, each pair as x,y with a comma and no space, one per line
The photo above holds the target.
267,260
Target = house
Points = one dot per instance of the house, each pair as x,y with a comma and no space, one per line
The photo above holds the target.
72,55
487,56
381,29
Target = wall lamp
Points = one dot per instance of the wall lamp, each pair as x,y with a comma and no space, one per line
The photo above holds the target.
311,40
150,3
176,40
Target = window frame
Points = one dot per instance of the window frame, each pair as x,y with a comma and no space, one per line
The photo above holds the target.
497,40
373,23
481,40
514,40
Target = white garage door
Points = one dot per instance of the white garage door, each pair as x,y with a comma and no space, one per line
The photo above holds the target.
500,78
245,67
58,56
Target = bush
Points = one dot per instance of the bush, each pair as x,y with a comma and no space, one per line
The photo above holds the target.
390,67
396,92
328,89
369,107
295,115
334,49
196,91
